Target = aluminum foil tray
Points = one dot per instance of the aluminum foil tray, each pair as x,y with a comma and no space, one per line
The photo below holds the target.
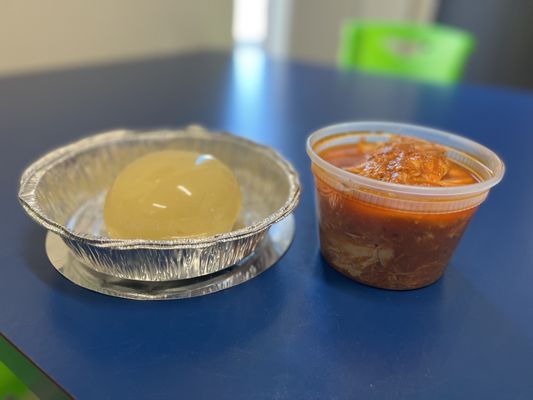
64,192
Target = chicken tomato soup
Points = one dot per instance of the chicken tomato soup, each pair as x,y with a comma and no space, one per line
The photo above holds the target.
392,207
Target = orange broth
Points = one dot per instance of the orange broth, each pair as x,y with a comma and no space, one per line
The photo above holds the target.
385,247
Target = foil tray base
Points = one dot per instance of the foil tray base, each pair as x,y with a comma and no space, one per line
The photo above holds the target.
268,252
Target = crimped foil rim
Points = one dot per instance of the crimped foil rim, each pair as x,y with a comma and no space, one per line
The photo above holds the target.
32,175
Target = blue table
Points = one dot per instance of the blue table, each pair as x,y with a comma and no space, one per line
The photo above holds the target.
300,330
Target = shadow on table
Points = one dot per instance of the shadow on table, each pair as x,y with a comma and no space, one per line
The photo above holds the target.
155,334
35,258
155,337
445,338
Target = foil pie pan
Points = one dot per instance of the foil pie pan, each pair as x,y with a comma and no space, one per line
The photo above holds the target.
64,191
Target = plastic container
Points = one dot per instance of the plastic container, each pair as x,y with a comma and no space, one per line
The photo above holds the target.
391,235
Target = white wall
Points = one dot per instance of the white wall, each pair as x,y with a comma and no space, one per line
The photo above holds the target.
310,28
46,34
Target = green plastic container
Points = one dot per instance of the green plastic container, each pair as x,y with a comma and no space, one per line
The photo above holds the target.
432,53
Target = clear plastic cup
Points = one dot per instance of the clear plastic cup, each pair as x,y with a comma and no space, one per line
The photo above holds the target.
391,235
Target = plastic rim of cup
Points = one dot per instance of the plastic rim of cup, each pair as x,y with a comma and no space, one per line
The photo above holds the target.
489,165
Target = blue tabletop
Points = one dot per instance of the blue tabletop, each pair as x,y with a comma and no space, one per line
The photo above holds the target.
300,330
